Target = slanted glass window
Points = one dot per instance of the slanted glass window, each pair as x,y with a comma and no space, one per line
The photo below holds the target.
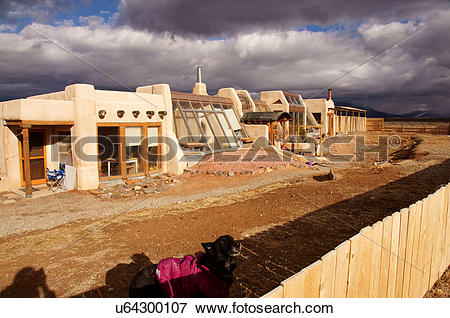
206,126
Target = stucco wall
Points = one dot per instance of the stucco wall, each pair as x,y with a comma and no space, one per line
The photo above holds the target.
255,131
232,94
270,97
38,110
172,159
54,96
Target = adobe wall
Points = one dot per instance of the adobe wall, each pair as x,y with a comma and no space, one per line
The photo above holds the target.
270,97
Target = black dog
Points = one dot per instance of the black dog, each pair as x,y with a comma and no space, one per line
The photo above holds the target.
209,274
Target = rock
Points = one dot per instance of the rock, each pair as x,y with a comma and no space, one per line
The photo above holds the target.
268,169
9,201
252,172
94,192
188,170
331,175
148,190
137,188
176,181
130,182
230,173
106,196
219,173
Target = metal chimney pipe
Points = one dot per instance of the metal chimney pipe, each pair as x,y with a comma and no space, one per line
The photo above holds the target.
199,74
329,94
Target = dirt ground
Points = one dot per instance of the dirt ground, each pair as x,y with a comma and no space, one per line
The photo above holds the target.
285,219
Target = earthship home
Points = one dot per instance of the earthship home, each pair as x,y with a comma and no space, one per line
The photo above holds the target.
112,135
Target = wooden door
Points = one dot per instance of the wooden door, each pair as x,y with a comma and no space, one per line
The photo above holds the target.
38,160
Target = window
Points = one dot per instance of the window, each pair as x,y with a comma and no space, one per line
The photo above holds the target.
206,126
153,148
246,106
318,117
65,148
108,151
133,158
122,152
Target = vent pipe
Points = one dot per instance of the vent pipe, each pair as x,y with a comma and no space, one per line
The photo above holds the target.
199,74
329,94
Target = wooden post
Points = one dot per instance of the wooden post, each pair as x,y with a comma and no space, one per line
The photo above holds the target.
26,162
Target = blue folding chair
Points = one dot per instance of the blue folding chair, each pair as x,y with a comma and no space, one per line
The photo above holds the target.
55,178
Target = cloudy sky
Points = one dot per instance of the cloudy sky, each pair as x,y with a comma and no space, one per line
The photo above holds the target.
388,55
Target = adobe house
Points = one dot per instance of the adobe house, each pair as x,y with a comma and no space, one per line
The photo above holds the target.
107,135
77,122
336,119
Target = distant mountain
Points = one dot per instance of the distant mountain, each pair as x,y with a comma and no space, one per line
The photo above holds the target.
372,113
422,114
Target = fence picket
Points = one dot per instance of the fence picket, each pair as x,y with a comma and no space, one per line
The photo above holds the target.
385,257
342,262
312,273
328,276
412,218
447,228
354,266
442,262
365,262
377,241
404,215
416,262
293,286
425,246
393,262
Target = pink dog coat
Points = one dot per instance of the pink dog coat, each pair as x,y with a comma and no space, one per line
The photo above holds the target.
186,277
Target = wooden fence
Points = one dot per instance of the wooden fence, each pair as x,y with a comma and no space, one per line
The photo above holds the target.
401,256
379,124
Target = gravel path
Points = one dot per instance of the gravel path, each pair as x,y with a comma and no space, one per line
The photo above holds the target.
65,208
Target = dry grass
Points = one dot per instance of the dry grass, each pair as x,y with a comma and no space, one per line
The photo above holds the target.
441,288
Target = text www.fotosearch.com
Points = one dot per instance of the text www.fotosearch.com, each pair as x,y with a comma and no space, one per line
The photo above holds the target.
245,308
234,308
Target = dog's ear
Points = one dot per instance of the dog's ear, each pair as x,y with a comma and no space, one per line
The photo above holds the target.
208,247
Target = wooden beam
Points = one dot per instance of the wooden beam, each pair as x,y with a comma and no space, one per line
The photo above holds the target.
26,162
37,123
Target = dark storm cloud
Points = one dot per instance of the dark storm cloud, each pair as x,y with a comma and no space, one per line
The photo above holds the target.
219,17
412,75
14,11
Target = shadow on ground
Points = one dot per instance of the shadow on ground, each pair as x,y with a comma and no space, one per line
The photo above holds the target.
28,283
271,256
